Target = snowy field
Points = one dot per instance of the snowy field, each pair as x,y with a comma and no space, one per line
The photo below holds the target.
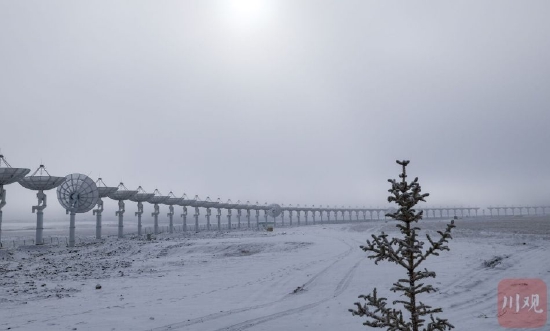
300,278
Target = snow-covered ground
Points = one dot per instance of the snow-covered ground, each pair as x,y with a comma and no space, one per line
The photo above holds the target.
301,278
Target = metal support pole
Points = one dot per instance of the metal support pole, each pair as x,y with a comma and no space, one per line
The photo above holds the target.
218,215
42,204
139,223
71,229
0,228
98,212
138,214
290,216
248,218
298,212
257,219
229,219
196,215
2,204
120,214
39,226
155,215
239,211
171,219
184,216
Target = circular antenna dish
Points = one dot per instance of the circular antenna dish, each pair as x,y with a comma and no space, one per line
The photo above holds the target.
189,202
256,206
209,203
220,204
142,196
157,198
78,193
122,193
242,206
230,204
172,200
246,206
10,175
274,210
103,189
41,182
227,205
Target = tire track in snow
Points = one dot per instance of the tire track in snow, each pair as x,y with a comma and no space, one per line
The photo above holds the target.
214,316
340,288
482,283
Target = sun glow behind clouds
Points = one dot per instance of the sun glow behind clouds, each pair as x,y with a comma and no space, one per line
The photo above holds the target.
247,14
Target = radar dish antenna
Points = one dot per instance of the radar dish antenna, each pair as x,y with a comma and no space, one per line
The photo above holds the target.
239,208
8,175
155,200
186,202
208,203
40,181
229,205
122,193
77,194
140,197
274,210
104,191
171,201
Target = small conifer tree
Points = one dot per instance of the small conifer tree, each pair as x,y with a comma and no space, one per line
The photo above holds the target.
408,252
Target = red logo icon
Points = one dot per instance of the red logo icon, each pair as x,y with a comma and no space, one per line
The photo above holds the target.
522,303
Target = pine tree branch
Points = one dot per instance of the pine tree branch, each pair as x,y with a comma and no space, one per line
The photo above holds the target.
438,324
382,317
383,250
439,245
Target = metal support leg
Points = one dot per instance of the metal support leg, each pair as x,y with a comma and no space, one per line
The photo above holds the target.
196,219
120,214
42,204
71,229
138,214
171,219
184,216
98,225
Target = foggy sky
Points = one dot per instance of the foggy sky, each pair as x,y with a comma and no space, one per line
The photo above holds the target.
292,102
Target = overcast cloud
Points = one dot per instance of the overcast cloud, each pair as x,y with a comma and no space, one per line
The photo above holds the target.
289,102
